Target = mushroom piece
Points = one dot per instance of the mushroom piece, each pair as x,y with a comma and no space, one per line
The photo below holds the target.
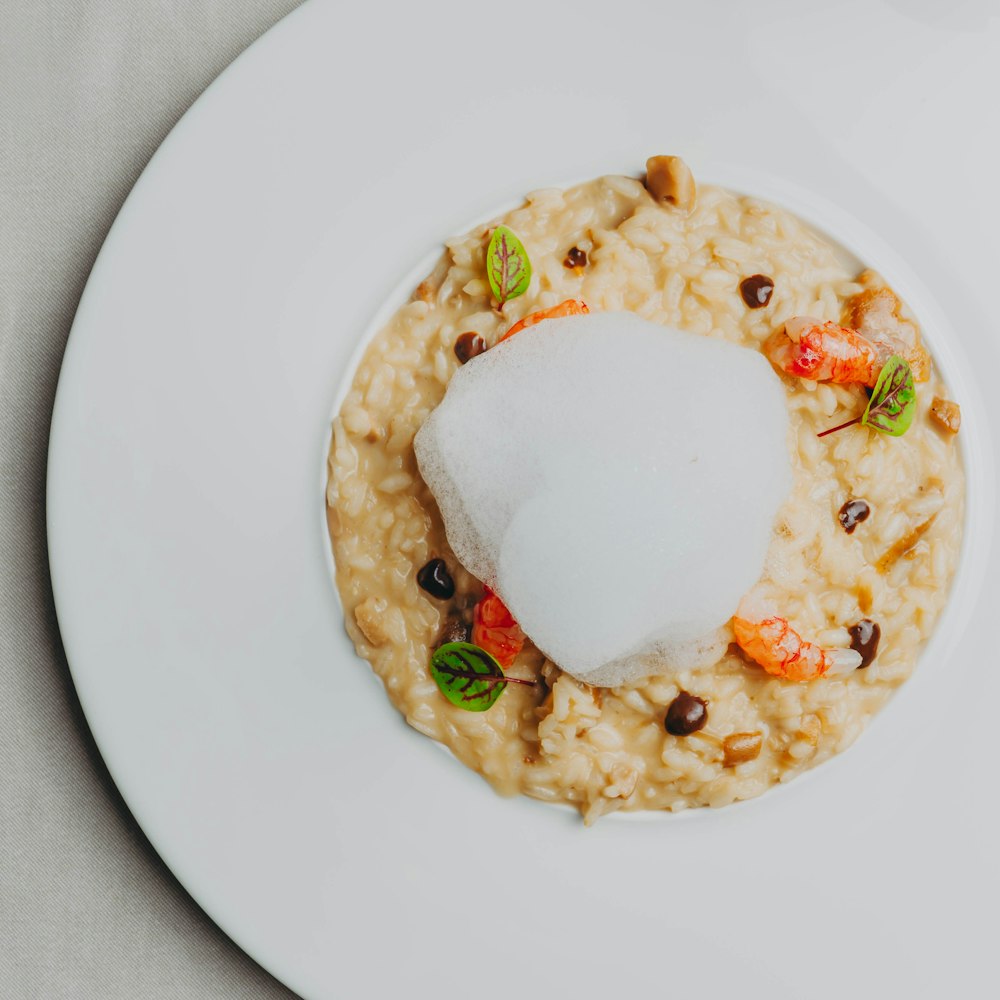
947,414
738,748
669,180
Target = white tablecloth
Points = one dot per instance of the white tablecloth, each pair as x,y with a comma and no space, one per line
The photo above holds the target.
87,93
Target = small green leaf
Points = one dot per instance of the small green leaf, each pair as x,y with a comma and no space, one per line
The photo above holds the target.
467,675
894,399
507,265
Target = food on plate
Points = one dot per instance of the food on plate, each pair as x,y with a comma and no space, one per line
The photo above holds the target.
825,352
669,180
865,635
757,290
853,512
648,498
602,509
469,345
947,414
686,714
769,640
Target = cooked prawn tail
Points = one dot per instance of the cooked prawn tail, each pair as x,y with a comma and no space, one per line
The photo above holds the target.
877,313
770,641
797,325
821,351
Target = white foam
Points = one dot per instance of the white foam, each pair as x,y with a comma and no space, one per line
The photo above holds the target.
615,481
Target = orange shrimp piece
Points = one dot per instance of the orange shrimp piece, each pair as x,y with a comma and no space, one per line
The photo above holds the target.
495,630
877,314
571,307
770,641
824,352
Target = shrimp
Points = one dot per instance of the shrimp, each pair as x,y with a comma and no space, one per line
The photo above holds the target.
495,630
825,352
571,307
877,314
770,641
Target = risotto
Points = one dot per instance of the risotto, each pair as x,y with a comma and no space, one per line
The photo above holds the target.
862,550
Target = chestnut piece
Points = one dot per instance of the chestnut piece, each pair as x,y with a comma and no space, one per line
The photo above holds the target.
756,290
865,635
687,714
436,580
468,345
852,514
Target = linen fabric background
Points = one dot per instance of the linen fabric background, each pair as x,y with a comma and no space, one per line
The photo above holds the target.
87,93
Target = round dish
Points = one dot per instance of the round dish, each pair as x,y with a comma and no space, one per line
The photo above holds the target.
609,244
189,549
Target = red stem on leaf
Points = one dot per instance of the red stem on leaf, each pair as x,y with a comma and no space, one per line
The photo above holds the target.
471,675
839,427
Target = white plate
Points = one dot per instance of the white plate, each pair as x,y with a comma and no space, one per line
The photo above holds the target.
339,848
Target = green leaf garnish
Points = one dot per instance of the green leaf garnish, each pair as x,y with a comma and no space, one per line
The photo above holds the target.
507,265
894,399
468,676
892,404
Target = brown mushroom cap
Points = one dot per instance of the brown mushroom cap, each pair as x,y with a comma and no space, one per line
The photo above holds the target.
669,181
